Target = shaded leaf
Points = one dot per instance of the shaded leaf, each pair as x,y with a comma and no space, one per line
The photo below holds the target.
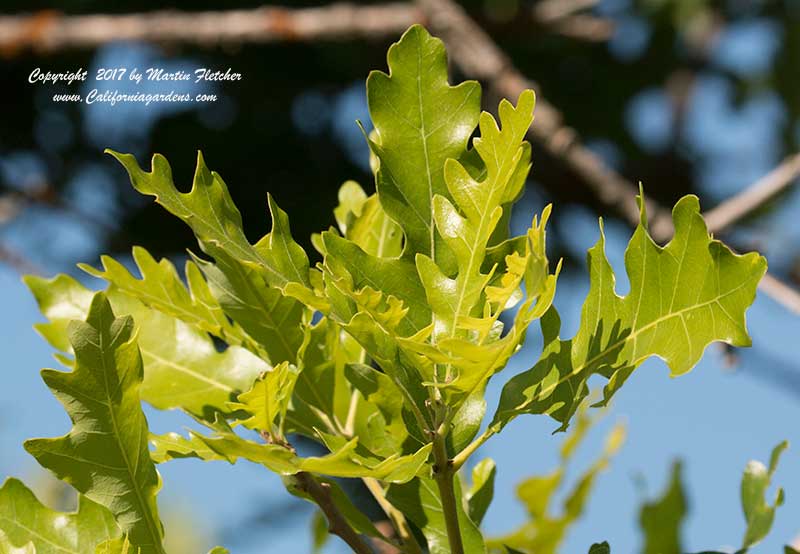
662,518
600,548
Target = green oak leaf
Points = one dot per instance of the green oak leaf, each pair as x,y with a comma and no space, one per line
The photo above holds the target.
182,367
24,520
419,500
420,121
481,491
174,446
467,223
662,518
268,399
270,318
683,297
345,460
105,455
216,222
759,514
362,220
600,548
162,289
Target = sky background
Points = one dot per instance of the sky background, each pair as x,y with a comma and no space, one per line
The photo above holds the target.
715,419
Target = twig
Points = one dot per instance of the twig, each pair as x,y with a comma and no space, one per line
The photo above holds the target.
756,195
479,57
337,524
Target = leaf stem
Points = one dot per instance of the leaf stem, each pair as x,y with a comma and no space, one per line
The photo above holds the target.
409,542
337,524
462,456
443,474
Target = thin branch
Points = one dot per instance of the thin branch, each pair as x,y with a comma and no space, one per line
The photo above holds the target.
756,195
337,524
479,57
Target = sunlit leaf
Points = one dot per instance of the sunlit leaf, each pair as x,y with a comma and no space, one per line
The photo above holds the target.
683,297
105,455
420,122
182,367
758,513
24,520
209,210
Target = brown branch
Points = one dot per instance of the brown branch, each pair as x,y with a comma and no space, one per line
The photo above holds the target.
337,524
553,10
756,195
50,31
479,57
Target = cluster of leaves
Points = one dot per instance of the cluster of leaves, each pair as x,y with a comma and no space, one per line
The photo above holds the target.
381,353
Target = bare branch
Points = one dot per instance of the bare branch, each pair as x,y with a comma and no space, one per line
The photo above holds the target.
49,31
553,10
479,57
756,195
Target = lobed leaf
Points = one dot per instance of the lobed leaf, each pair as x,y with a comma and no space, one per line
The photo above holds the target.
105,455
759,514
182,368
27,526
683,297
420,121
216,222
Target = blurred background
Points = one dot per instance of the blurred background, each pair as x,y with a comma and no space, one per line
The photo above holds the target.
686,96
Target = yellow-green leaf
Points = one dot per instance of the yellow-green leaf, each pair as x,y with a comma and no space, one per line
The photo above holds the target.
24,520
105,455
682,298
